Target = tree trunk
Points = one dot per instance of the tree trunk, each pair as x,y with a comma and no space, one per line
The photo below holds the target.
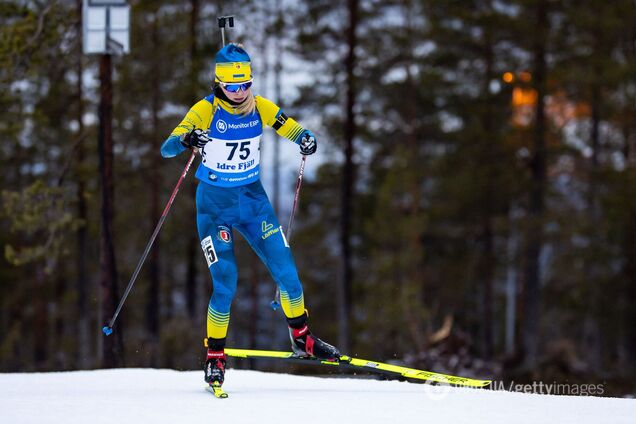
62,357
487,260
278,70
154,288
192,249
591,328
411,255
538,168
83,351
40,320
629,274
348,184
111,353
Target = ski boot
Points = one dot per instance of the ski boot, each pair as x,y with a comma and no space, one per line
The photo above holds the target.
215,362
305,344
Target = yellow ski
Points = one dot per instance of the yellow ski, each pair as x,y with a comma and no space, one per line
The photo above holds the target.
389,370
216,390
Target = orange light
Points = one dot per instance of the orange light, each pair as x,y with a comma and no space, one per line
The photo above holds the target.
524,97
525,76
508,77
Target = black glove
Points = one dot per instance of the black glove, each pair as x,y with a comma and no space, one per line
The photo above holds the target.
308,144
195,138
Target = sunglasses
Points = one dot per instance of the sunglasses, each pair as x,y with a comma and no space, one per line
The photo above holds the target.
233,88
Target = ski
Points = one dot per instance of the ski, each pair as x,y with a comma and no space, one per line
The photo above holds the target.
216,390
344,361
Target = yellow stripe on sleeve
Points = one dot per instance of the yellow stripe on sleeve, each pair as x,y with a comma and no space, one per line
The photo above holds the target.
268,111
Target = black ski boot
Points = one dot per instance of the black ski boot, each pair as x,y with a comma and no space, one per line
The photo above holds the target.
215,362
306,344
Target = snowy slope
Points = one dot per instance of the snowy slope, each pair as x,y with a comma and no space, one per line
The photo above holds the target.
135,396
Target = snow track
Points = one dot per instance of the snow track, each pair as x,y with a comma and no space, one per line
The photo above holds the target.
136,396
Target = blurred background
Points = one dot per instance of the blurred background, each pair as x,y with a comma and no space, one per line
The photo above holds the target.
471,208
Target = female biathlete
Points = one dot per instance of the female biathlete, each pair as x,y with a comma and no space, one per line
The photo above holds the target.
226,127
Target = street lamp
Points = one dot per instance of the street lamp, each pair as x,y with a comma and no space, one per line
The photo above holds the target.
106,27
105,31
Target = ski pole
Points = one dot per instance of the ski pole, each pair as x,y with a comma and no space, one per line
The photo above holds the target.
275,304
108,329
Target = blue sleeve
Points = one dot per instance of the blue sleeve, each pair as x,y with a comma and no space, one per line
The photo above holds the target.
172,147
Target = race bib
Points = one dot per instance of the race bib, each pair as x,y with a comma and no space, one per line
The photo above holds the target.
232,156
208,251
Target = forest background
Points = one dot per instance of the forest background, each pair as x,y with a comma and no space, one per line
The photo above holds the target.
471,207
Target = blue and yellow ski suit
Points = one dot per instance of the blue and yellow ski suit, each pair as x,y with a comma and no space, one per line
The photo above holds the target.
230,196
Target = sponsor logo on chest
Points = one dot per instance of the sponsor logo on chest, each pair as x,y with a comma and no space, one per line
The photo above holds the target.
223,126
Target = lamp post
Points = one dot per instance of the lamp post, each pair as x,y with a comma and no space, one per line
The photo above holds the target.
105,32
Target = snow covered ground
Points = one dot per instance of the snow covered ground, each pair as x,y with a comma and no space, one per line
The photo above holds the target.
136,396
